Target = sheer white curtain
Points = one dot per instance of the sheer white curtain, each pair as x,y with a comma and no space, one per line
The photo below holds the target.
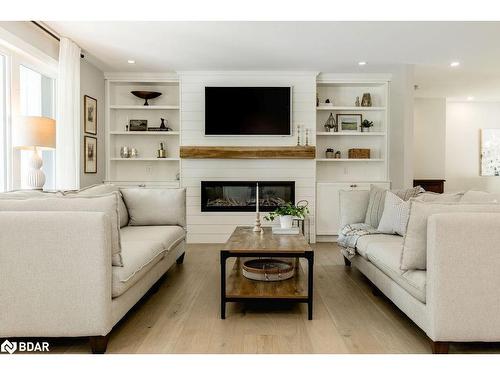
68,116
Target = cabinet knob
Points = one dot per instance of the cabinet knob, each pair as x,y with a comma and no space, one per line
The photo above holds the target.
354,185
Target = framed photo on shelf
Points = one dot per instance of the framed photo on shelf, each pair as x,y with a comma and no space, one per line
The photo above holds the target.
90,156
90,114
349,123
138,125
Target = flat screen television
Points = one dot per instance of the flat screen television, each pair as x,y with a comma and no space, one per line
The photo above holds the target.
248,111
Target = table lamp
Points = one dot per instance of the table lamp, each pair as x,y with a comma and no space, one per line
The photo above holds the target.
35,133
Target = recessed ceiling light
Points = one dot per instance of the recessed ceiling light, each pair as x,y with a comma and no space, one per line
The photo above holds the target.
131,61
454,64
361,63
469,98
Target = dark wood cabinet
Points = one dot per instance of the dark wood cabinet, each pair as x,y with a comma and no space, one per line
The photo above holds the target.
436,186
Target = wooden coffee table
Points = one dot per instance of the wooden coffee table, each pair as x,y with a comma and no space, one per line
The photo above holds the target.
246,243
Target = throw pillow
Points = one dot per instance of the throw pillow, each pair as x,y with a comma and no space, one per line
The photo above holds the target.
395,217
377,199
101,189
353,205
105,203
440,198
156,206
414,254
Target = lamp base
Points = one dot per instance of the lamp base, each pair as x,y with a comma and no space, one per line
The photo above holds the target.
35,178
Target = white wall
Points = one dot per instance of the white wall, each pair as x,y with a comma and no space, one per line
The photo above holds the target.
429,138
463,123
92,84
216,227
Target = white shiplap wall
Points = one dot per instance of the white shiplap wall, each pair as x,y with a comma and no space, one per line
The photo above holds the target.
210,227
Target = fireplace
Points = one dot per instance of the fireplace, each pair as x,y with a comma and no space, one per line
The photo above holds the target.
239,196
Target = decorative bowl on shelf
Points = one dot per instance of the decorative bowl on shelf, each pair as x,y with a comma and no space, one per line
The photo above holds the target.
267,270
146,95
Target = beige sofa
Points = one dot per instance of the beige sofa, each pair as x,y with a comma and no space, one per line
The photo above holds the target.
56,272
456,298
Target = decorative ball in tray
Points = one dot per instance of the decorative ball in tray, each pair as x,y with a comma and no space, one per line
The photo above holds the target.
267,270
146,95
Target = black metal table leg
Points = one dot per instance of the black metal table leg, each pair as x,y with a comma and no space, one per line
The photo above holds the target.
310,274
223,258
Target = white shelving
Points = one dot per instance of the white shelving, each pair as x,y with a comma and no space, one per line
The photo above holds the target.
335,175
145,159
146,107
153,133
121,107
346,108
345,134
349,160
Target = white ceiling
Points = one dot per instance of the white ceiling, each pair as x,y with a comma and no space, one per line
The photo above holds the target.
317,46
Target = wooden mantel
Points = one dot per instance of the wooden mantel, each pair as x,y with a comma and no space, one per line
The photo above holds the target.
246,152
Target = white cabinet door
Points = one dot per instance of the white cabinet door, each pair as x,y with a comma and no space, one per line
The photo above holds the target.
328,204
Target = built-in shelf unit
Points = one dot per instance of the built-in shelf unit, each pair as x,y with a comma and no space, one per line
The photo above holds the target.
335,175
121,107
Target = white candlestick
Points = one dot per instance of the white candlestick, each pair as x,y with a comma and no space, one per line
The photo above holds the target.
257,199
257,227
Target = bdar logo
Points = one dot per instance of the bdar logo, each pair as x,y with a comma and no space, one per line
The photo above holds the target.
8,347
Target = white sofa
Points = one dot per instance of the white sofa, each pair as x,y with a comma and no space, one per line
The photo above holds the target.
457,297
56,272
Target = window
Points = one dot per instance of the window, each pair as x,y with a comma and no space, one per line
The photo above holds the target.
37,98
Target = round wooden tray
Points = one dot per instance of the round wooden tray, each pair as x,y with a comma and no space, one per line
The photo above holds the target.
267,270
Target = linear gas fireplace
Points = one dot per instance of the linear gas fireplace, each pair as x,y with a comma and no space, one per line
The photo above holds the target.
236,196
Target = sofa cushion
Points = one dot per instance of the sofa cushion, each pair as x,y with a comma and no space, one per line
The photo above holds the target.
169,236
386,257
395,216
353,206
377,199
105,203
30,194
376,240
429,196
415,245
480,197
156,206
101,189
138,256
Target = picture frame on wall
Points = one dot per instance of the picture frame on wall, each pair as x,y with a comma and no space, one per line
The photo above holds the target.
90,114
90,154
490,152
349,123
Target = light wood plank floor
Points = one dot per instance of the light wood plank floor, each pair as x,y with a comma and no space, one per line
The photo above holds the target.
183,317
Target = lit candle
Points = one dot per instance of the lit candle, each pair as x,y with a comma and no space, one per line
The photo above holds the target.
257,199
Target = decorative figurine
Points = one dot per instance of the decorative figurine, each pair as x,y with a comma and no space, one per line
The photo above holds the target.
330,123
338,155
366,100
327,101
134,153
356,103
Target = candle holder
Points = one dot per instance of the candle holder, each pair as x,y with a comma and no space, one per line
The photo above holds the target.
257,227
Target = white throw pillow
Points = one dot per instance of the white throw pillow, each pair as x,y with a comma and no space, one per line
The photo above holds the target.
156,206
414,254
104,203
101,189
395,217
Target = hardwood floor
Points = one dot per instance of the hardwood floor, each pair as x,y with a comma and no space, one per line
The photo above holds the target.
183,317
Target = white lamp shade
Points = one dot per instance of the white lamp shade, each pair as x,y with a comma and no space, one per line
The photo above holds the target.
34,131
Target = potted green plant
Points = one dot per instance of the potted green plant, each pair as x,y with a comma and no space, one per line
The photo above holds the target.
366,125
286,214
